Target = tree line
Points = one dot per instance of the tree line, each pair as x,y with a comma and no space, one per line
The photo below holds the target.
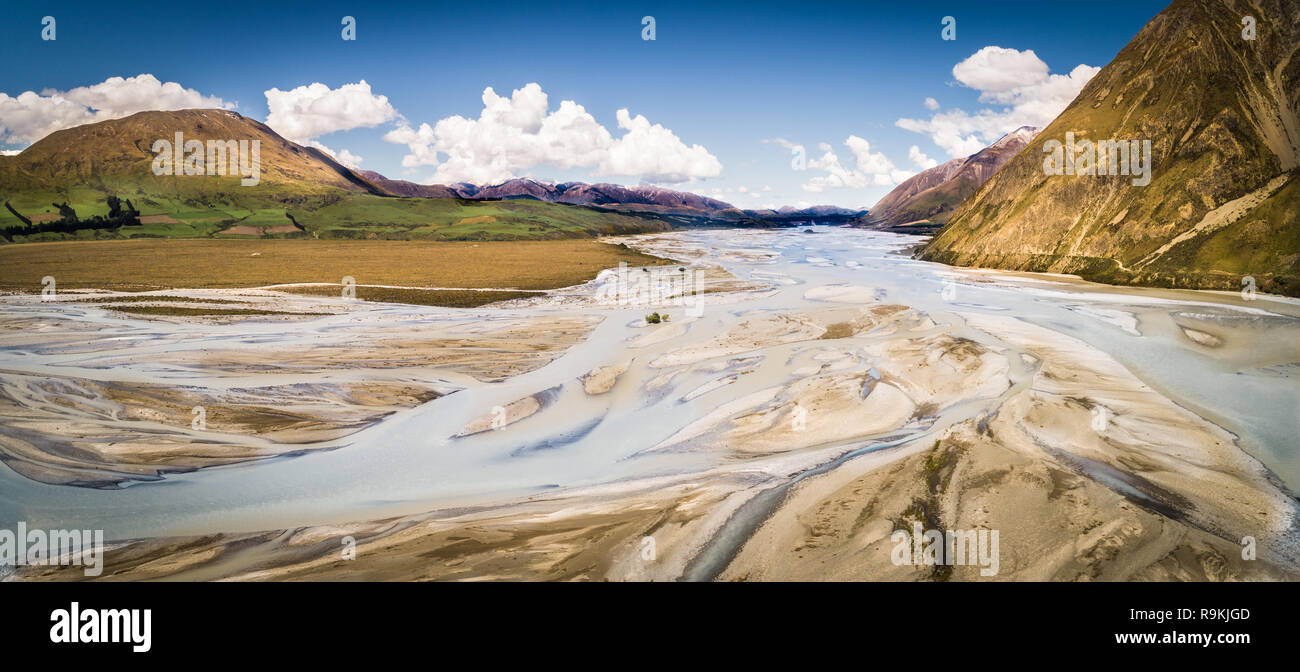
120,213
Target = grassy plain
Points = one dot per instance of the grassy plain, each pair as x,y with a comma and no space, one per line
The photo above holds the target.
207,208
141,265
452,298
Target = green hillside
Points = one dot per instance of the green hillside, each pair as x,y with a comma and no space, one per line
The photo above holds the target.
301,193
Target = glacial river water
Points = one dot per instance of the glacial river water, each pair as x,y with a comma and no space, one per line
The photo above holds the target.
409,462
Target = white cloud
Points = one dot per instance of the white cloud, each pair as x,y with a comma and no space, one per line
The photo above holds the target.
420,141
795,149
783,142
512,135
656,154
310,111
998,70
31,116
920,159
343,156
10,152
871,169
1017,81
931,104
349,159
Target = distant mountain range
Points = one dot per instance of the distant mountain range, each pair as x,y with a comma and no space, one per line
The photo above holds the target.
613,196
1222,207
303,191
926,200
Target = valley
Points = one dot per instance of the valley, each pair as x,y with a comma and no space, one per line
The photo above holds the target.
599,308
830,391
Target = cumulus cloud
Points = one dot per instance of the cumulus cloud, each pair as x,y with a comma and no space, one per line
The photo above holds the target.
655,153
344,157
420,141
31,116
349,159
512,135
1017,83
995,70
870,169
931,104
307,112
920,159
310,111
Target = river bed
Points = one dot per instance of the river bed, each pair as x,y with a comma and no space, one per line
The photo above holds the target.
1232,360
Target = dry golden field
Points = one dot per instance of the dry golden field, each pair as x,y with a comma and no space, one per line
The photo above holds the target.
139,265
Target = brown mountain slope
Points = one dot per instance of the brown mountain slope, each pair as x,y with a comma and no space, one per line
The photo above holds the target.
933,194
1220,112
904,193
122,149
410,189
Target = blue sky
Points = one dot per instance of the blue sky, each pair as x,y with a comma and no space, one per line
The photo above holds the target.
724,76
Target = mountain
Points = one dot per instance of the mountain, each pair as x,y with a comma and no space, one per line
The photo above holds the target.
814,214
613,194
516,188
932,195
121,150
1223,200
303,192
677,208
819,211
907,192
99,181
409,189
575,193
644,199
